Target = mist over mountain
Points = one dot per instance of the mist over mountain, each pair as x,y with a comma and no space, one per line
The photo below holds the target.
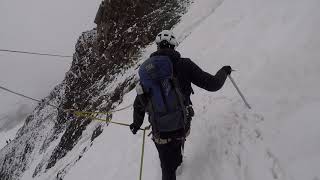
273,46
13,118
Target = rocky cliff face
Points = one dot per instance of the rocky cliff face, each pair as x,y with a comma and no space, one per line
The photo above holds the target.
103,70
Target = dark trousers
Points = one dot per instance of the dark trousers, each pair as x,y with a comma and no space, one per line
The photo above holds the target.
170,158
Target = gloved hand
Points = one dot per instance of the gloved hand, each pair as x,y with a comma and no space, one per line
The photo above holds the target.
134,128
227,69
189,111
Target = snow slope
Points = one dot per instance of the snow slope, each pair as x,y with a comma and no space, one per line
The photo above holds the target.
8,135
274,46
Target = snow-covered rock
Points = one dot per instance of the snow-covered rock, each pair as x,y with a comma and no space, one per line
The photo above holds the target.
52,140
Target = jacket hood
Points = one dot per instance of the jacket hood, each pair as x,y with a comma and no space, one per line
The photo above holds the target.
173,54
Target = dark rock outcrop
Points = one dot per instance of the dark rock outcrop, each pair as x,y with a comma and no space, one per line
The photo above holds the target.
125,28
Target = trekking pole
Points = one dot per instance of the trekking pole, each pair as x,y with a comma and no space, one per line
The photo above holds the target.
142,150
243,98
142,154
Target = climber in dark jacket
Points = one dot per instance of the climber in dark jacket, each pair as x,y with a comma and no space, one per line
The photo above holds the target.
187,72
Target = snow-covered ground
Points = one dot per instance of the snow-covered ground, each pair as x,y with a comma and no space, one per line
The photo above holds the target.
274,47
36,26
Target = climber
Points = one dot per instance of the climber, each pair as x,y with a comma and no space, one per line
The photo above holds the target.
164,93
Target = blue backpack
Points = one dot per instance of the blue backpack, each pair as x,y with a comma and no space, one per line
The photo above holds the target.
165,101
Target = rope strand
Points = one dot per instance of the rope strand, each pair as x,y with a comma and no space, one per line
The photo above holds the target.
34,53
90,116
66,110
27,97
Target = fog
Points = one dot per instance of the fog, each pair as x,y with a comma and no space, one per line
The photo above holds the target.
43,26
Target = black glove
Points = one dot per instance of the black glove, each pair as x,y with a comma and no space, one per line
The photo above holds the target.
134,128
227,69
189,111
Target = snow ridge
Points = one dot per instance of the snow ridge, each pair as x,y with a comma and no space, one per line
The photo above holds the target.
273,46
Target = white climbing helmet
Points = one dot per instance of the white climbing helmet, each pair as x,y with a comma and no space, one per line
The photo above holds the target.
167,35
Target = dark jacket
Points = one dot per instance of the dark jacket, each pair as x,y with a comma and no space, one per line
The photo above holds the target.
187,72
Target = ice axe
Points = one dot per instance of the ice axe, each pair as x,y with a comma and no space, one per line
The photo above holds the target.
235,85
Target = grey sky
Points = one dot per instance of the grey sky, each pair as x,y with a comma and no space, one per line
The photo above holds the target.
41,26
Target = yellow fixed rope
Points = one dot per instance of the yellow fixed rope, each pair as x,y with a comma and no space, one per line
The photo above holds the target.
90,115
85,114
92,112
